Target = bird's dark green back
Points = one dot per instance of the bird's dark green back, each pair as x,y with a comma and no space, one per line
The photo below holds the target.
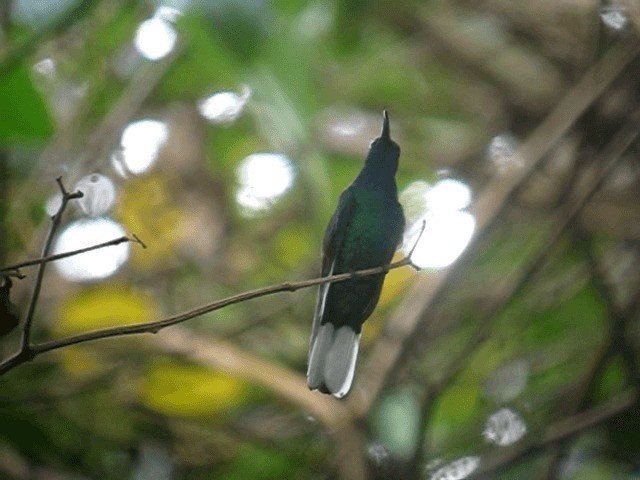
363,232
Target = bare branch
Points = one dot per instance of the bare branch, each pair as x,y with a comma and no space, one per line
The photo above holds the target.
55,224
154,327
58,256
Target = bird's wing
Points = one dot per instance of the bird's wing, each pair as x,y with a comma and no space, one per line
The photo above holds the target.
331,244
338,225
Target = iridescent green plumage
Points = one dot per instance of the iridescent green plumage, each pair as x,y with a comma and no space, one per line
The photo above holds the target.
364,232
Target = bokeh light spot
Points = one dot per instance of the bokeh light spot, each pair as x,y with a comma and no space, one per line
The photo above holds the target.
46,66
378,453
448,195
139,146
445,237
263,178
458,469
504,427
99,193
502,152
614,16
224,107
155,38
447,228
96,264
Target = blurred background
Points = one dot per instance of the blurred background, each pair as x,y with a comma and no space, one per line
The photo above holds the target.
221,132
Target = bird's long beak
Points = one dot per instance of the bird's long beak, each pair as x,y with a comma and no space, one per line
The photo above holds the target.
386,133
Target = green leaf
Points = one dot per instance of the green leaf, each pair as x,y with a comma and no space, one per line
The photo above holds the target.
24,115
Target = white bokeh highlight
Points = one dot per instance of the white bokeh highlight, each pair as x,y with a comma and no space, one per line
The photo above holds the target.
99,194
504,427
614,16
378,453
46,67
347,126
95,264
448,195
448,229
155,38
502,152
445,237
224,108
140,144
458,469
262,179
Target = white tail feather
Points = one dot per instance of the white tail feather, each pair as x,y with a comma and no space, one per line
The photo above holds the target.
340,366
332,359
319,348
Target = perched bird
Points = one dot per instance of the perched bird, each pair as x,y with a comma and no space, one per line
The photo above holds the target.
363,232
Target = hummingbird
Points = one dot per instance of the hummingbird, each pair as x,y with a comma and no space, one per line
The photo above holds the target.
363,232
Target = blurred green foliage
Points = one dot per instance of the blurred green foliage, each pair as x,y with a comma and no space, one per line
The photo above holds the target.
91,411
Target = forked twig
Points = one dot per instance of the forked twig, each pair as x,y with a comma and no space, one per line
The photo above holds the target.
55,224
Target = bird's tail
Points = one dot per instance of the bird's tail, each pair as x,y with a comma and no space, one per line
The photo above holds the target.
332,359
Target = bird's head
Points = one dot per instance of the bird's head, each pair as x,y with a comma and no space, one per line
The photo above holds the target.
383,151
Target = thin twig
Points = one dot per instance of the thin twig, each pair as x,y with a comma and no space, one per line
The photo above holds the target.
55,224
156,326
137,239
71,253
415,244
